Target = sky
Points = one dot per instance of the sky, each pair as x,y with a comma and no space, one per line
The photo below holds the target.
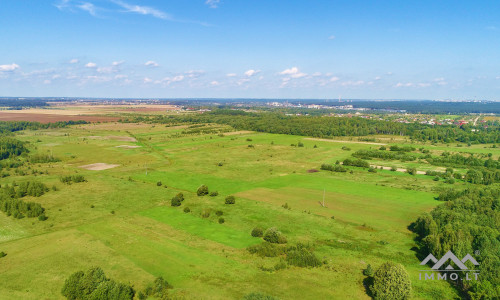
250,49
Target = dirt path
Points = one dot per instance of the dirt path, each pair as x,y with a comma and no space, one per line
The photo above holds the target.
337,141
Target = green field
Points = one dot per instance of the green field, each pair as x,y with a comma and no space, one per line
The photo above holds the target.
122,221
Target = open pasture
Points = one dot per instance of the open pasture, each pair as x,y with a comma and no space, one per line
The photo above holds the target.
121,219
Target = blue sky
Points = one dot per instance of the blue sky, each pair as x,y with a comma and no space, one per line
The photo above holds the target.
251,49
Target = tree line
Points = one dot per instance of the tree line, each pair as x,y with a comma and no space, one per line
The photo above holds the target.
328,127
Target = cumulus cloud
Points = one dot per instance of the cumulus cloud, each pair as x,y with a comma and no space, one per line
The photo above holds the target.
194,73
147,80
117,63
334,78
91,65
151,63
214,83
250,73
106,70
293,73
74,61
231,75
9,68
212,3
377,78
177,78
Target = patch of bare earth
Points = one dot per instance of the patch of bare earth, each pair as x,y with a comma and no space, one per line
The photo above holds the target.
128,146
98,166
238,132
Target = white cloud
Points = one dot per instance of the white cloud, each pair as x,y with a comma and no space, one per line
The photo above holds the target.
177,78
250,73
106,70
194,73
117,63
408,84
151,64
9,68
143,10
56,76
377,78
212,3
91,65
331,37
231,75
62,4
147,80
293,72
242,81
353,83
74,61
214,83
120,76
424,84
88,7
334,78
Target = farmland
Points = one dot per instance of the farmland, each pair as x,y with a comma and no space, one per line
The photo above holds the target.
120,217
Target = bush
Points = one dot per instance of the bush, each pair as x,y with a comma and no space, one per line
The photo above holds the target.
221,220
272,235
158,290
266,250
411,171
300,144
202,190
180,196
302,257
258,296
93,284
230,200
394,169
187,209
175,201
3,254
205,213
214,194
219,213
257,232
158,183
372,170
368,271
42,217
391,281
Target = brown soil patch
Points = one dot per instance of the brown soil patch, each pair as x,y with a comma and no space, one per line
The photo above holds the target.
98,166
238,132
52,118
128,146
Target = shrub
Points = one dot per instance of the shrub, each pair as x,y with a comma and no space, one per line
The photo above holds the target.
272,235
42,217
302,257
372,170
205,213
411,171
280,265
175,201
391,281
187,209
266,250
257,232
158,183
249,139
230,200
158,289
258,296
202,190
221,220
300,144
368,271
93,284
219,213
214,194
435,178
394,169
3,254
180,196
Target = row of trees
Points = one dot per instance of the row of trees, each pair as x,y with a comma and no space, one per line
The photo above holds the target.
324,127
10,147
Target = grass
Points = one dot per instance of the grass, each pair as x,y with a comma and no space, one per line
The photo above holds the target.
146,237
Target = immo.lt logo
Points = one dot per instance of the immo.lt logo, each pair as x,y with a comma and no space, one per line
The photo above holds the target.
442,270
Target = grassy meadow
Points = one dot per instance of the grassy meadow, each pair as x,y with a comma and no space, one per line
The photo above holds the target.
121,218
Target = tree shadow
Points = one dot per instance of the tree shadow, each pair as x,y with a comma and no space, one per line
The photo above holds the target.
368,283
